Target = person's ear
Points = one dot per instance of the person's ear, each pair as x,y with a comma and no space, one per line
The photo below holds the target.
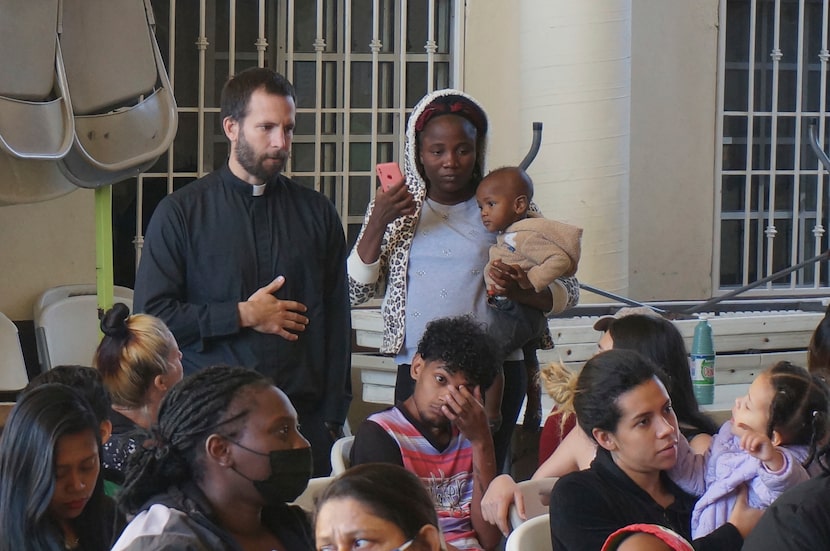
605,439
429,537
160,384
776,438
521,204
218,450
416,366
231,128
106,430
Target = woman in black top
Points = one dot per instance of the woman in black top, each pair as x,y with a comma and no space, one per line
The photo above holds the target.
621,401
799,520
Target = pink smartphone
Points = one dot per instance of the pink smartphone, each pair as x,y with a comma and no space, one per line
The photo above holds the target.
388,173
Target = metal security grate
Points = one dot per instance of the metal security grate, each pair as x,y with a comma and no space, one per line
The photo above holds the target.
772,193
359,66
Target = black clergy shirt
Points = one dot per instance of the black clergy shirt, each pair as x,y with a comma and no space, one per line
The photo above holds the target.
212,244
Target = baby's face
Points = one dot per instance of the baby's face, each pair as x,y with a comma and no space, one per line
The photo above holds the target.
751,412
497,204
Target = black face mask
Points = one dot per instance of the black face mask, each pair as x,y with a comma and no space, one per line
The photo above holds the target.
290,471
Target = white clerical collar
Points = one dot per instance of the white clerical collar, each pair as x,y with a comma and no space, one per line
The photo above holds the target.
258,190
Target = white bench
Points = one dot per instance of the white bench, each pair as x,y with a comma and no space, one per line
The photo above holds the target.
746,343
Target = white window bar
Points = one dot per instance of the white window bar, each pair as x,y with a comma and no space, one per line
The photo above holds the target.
375,47
771,231
345,47
824,55
797,243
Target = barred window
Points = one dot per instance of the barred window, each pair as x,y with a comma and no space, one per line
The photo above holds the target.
772,191
359,67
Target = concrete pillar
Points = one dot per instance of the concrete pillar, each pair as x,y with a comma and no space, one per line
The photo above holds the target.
575,77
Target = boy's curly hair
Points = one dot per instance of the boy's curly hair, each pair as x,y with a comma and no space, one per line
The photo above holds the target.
464,346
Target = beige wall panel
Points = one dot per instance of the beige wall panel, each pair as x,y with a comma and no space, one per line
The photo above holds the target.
534,60
491,75
44,245
673,111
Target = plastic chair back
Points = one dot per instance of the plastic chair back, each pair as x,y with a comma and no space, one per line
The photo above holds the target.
13,374
68,331
51,343
54,294
315,487
532,535
340,454
534,491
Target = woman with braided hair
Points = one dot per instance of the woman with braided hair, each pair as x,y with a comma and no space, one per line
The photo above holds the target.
218,468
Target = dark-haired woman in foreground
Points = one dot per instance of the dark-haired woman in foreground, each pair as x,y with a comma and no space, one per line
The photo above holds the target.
621,401
51,490
376,506
655,338
219,467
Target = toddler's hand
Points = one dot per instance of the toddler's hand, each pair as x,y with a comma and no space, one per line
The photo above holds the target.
759,445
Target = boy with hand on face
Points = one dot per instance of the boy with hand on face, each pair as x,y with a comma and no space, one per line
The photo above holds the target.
440,433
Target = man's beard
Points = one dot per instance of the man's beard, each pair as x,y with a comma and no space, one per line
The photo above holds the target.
254,165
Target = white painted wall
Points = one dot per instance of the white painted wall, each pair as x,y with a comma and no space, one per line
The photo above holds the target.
673,111
666,252
576,78
491,75
44,245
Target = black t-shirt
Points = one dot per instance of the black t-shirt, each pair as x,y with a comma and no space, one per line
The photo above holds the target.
798,520
587,506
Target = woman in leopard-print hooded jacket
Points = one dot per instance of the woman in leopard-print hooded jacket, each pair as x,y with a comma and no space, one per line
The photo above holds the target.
422,246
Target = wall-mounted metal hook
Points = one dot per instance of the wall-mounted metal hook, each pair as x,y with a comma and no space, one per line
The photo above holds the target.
534,146
814,143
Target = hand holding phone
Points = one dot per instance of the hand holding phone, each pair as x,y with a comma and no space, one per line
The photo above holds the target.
389,174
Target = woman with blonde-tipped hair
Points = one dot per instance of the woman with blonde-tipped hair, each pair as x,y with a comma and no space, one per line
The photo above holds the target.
139,361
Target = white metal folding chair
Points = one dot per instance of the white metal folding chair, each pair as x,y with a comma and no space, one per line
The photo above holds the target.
533,535
125,112
340,454
36,124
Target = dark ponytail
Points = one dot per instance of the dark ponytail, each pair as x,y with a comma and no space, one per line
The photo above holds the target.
603,379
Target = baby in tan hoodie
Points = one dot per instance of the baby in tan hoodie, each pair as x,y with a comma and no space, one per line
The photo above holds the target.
545,249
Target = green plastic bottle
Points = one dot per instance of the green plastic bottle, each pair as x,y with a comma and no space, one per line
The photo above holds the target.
702,363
